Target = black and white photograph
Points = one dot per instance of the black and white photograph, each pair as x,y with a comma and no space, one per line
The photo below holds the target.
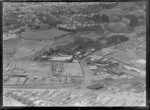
74,54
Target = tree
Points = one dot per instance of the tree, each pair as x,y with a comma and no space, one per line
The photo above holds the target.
105,18
134,21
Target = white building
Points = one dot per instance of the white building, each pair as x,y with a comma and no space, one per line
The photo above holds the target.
32,98
92,49
44,56
123,76
92,59
78,52
37,102
102,64
62,58
142,72
86,53
141,61
93,67
76,61
104,59
99,73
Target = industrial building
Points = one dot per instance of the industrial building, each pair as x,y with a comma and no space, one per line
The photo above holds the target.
62,58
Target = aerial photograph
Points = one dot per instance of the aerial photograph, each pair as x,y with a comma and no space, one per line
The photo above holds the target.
74,54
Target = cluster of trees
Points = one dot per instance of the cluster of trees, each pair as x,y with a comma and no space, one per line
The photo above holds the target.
97,29
134,21
119,27
97,18
117,39
11,20
46,18
78,44
109,6
43,52
11,23
100,18
85,43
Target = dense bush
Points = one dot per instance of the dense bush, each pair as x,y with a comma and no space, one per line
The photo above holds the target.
119,27
78,44
134,21
42,52
100,18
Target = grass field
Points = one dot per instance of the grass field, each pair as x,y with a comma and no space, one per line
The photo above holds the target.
29,48
45,34
92,36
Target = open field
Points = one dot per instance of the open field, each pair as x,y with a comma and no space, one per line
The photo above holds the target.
46,34
73,68
92,36
56,86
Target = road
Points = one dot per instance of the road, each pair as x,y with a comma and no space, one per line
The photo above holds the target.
87,73
57,86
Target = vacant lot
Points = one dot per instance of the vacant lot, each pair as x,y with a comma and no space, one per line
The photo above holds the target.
74,69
